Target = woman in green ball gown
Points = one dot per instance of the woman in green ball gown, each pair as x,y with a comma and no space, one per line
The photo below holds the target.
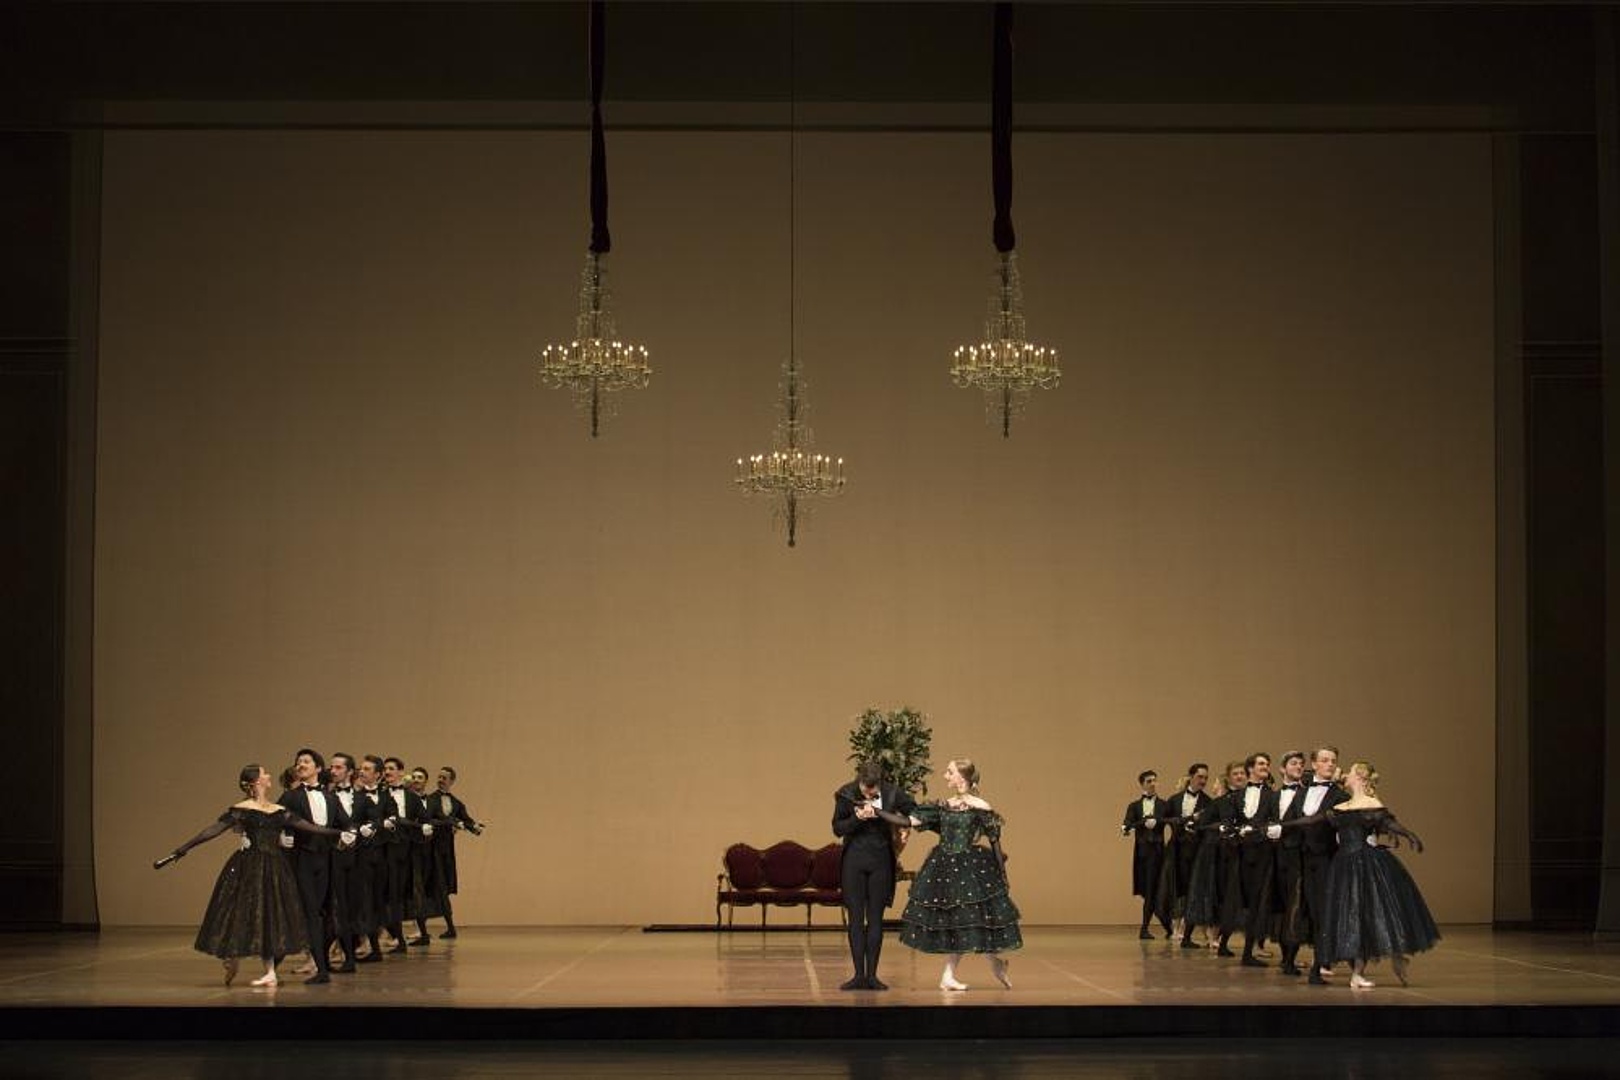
959,902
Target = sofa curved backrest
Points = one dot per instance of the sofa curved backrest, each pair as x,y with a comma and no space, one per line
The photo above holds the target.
827,869
745,866
787,865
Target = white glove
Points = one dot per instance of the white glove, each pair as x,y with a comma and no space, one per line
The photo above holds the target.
1273,832
390,824
346,839
1372,840
427,831
1246,830
367,831
1151,823
287,841
245,843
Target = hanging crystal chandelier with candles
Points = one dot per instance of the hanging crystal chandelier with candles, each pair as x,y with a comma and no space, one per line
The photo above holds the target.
1006,366
596,363
791,472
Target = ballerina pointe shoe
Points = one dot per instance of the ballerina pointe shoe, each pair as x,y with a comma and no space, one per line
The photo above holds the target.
948,983
269,981
1001,970
1361,982
1400,965
230,971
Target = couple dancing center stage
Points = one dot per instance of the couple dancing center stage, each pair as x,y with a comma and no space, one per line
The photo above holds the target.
958,903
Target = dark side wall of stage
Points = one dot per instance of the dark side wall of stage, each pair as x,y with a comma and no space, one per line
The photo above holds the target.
1530,69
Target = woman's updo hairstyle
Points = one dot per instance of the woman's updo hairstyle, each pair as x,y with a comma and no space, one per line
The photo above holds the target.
250,776
969,772
1368,774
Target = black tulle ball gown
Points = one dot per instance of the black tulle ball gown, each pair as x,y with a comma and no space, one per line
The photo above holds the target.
255,909
1374,908
959,902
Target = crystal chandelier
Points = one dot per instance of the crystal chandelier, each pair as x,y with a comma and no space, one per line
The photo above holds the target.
595,364
1005,365
791,473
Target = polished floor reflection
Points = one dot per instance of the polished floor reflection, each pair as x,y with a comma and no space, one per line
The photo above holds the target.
594,967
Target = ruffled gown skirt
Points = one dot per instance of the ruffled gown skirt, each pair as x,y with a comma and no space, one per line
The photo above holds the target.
959,904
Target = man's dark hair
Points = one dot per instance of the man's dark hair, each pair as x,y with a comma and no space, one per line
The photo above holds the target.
395,762
869,773
1195,766
448,769
314,755
1142,777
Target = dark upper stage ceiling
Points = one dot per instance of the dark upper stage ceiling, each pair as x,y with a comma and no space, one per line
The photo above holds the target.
1531,63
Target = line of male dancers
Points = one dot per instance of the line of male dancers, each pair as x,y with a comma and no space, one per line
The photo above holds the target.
1230,861
402,866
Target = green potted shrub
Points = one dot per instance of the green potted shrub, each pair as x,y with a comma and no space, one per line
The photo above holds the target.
899,741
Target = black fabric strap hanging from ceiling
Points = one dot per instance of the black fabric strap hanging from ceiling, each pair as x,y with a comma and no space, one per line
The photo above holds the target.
601,241
1001,128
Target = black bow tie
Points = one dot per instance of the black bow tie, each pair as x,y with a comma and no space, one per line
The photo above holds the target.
343,787
312,787
1290,787
1321,783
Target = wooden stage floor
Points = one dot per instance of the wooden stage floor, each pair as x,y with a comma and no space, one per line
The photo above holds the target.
622,982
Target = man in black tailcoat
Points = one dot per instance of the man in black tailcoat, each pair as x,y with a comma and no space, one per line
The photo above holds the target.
312,854
867,865
1318,843
1256,811
1144,822
1289,860
451,815
1186,810
372,813
350,898
405,816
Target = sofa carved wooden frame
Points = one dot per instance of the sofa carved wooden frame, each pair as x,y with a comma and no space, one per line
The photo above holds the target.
786,874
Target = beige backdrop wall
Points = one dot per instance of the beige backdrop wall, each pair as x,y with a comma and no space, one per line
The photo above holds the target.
335,508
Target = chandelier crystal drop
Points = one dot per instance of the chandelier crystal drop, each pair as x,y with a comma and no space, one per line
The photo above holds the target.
595,364
791,472
1006,365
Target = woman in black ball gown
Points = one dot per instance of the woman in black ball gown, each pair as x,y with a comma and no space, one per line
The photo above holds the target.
1374,908
959,902
255,909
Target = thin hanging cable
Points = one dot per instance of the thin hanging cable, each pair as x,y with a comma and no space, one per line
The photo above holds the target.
1001,176
601,241
793,125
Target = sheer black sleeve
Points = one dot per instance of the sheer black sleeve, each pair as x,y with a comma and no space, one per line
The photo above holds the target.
293,821
1398,832
213,829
